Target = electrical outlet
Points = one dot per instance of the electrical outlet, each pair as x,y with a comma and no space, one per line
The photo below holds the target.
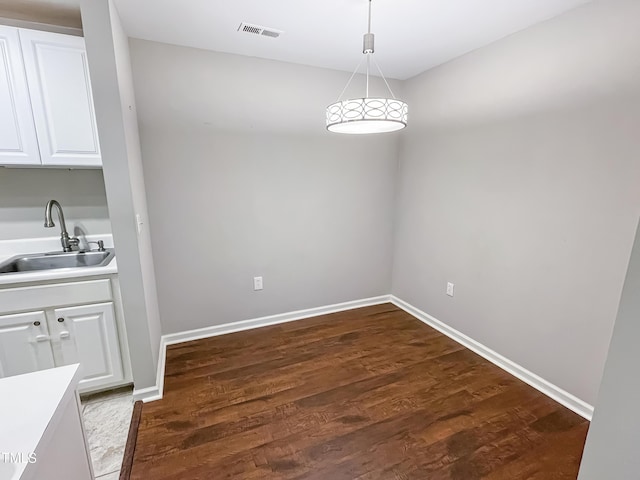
257,283
450,287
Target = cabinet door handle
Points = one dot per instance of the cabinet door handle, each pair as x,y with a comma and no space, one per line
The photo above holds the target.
42,338
64,334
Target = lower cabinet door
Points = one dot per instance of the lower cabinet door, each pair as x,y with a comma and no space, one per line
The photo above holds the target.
88,335
24,344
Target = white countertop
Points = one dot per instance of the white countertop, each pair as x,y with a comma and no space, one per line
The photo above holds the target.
29,404
11,248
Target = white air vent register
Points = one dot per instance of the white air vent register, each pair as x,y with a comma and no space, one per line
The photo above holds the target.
259,30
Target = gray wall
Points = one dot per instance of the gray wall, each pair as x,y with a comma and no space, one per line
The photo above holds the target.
519,183
261,190
108,55
614,435
24,193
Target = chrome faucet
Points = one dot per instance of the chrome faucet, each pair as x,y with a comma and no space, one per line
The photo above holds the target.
66,241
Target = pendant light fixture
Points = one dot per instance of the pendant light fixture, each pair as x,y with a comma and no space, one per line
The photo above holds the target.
368,114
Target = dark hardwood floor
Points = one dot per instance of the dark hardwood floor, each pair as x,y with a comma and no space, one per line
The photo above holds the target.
367,394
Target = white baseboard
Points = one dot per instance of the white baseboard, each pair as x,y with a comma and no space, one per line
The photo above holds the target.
559,395
155,393
148,394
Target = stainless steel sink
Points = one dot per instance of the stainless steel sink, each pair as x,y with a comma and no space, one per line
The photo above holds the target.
51,261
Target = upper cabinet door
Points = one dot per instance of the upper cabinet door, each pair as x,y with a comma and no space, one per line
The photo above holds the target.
18,143
58,78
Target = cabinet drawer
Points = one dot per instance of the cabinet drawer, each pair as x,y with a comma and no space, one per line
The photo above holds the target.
54,295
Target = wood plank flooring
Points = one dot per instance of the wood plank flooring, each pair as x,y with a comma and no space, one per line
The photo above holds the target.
368,394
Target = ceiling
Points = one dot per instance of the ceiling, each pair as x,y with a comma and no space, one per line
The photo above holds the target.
411,35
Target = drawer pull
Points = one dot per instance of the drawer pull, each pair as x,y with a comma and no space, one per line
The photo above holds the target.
61,320
64,335
36,323
42,338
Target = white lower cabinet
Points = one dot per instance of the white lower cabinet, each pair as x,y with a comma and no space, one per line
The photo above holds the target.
70,323
87,335
24,344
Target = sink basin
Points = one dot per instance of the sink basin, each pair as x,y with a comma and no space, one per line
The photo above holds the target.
51,261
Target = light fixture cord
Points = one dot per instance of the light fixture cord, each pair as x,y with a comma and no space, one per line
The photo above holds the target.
369,57
384,78
368,68
350,78
368,54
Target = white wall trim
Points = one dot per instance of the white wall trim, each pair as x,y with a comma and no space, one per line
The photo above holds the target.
549,389
155,393
148,394
570,401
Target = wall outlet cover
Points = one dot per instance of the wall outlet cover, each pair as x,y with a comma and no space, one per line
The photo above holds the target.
257,283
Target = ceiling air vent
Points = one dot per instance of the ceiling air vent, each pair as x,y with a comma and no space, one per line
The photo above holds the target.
258,30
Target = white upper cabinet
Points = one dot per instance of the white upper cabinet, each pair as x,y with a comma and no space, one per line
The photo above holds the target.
18,143
58,78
